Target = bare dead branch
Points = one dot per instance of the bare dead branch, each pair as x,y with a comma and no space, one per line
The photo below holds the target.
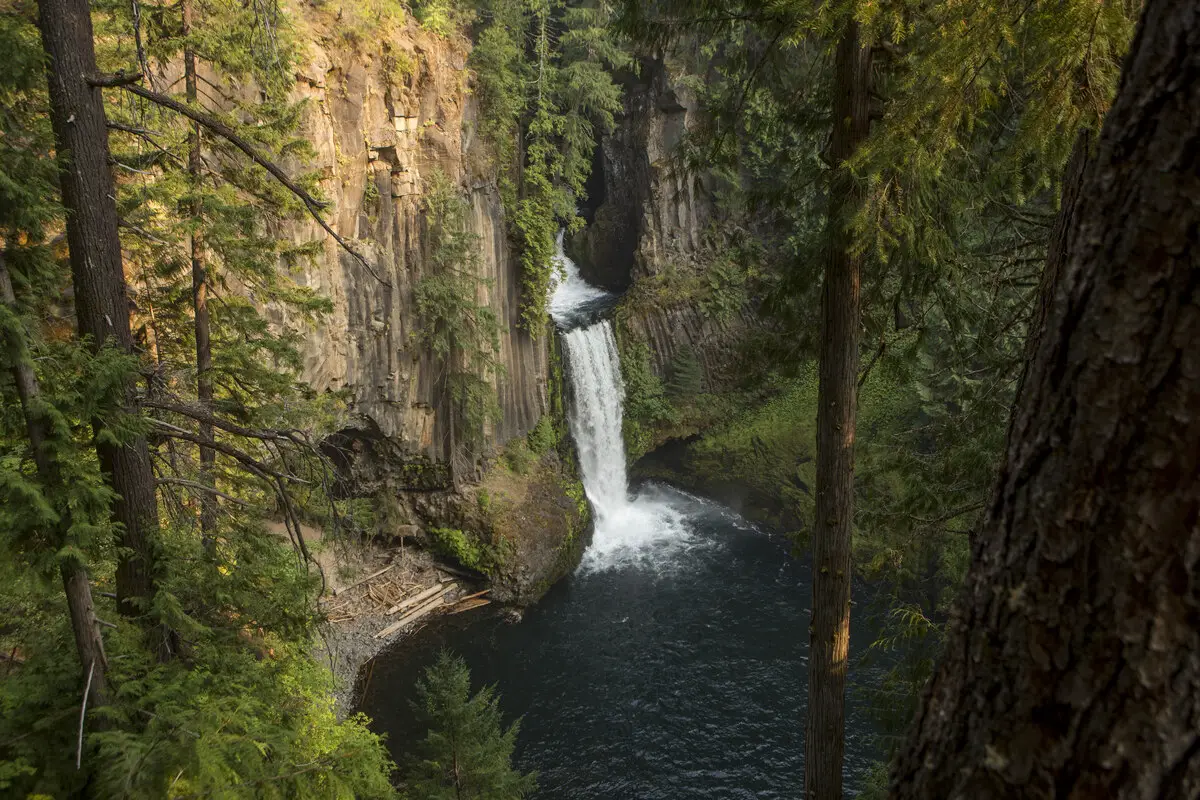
142,232
200,487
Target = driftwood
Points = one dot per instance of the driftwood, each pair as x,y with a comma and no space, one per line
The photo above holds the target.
467,605
457,572
472,596
373,575
411,617
437,588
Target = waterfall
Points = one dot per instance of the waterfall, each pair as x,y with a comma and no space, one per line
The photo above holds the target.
597,395
641,529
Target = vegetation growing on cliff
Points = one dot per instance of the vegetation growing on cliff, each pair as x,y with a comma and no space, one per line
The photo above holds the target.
461,331
544,107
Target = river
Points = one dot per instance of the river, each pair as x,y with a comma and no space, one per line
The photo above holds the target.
673,662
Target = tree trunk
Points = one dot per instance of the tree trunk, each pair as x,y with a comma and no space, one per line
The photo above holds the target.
1072,663
78,591
204,386
837,398
101,302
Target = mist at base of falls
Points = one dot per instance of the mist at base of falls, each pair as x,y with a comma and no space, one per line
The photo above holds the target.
628,529
673,662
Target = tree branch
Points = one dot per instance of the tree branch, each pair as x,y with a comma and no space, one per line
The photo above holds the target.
128,83
202,488
254,465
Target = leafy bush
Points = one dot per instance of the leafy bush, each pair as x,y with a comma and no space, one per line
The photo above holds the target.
466,549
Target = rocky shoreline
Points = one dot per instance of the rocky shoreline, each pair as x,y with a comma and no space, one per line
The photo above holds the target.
356,609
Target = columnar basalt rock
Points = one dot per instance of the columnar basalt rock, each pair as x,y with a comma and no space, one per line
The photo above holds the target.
648,223
379,134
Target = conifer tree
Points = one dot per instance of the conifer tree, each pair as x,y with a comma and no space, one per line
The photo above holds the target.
466,754
1071,662
101,296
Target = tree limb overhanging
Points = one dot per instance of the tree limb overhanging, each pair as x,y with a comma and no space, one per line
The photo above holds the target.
128,82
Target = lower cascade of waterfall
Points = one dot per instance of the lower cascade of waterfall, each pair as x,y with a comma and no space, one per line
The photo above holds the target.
641,529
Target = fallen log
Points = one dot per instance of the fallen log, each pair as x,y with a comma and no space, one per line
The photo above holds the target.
467,605
472,596
411,617
375,574
458,572
420,598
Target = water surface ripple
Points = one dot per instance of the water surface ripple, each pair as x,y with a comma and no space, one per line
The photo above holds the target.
678,676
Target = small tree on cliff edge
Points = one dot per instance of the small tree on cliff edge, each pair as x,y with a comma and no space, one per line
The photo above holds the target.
465,755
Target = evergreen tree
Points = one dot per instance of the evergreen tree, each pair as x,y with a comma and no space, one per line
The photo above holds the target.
686,378
230,702
462,333
1071,662
467,754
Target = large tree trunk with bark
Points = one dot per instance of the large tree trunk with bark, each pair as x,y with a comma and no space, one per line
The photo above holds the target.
101,302
78,591
837,400
204,385
1072,664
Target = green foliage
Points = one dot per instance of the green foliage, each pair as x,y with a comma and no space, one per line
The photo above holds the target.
544,437
246,712
685,375
521,455
646,402
443,17
462,332
498,60
467,753
558,97
466,549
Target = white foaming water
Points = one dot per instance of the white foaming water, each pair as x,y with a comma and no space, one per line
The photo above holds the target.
642,530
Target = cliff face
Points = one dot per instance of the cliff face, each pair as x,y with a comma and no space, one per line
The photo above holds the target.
383,116
648,232
387,108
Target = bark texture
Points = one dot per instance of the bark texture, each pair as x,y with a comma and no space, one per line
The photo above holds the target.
204,384
1072,665
101,301
837,400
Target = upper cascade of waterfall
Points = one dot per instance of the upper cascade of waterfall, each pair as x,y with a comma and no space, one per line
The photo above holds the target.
627,530
574,301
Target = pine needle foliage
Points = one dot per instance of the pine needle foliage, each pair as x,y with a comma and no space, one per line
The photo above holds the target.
467,753
460,330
